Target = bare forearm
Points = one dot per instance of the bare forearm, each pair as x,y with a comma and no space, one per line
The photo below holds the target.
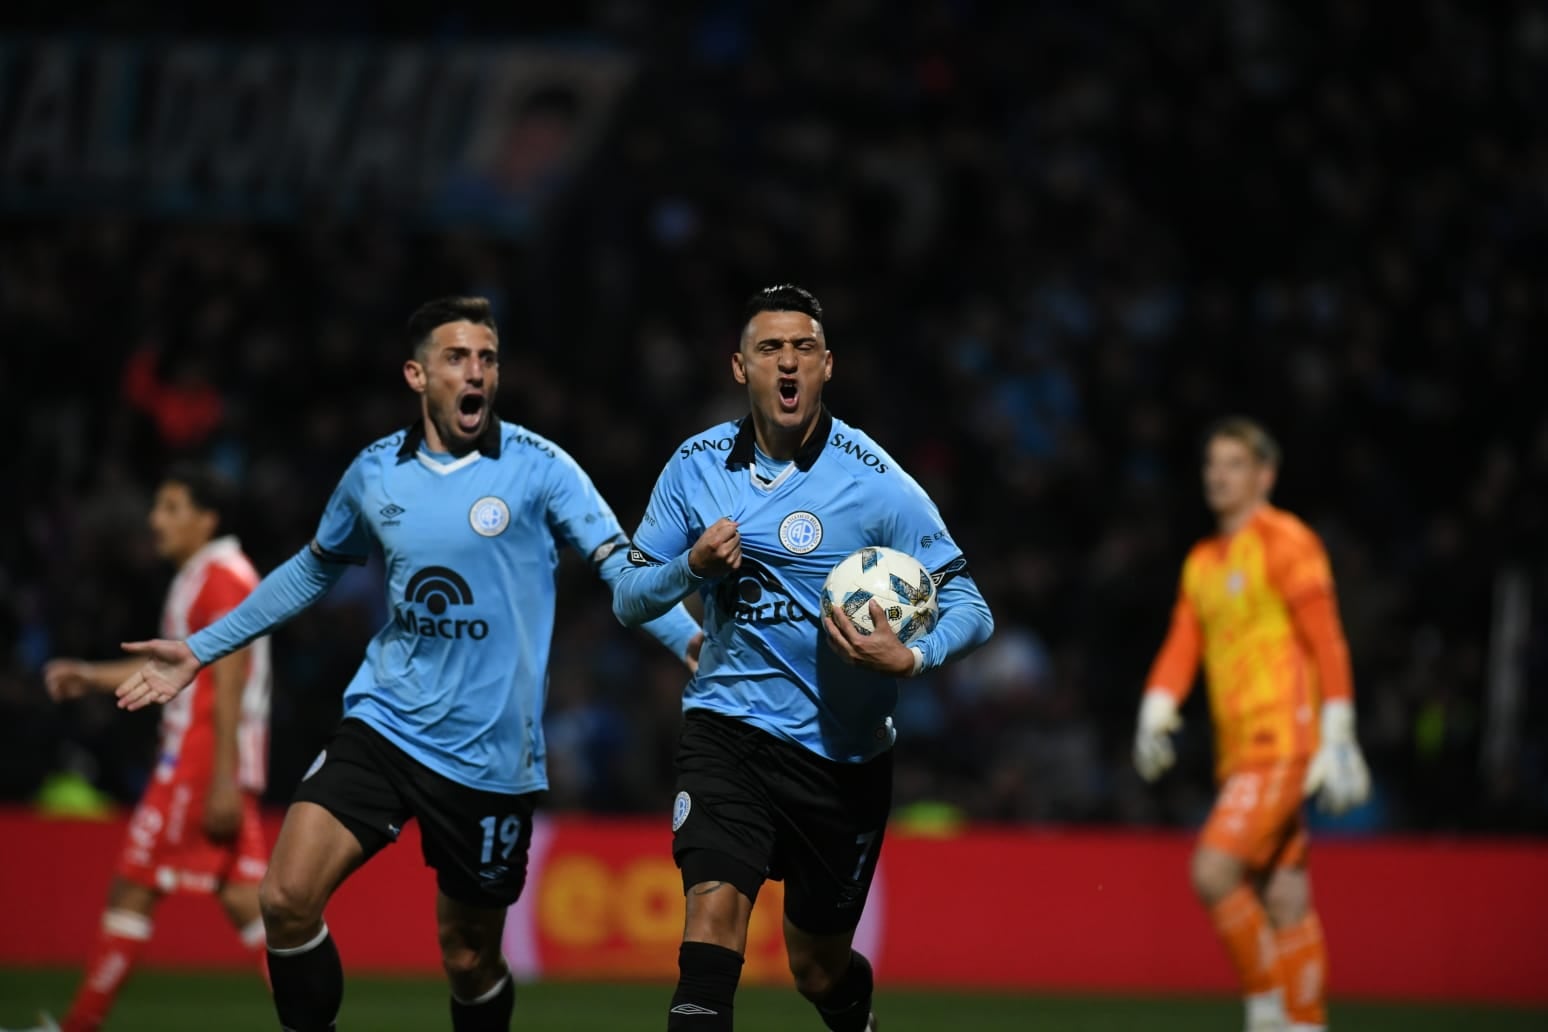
110,673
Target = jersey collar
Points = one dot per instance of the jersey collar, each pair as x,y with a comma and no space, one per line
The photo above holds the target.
414,436
742,448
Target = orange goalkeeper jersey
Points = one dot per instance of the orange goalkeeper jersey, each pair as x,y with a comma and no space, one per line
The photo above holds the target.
1259,606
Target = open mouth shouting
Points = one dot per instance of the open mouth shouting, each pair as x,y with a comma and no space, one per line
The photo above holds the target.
789,393
471,407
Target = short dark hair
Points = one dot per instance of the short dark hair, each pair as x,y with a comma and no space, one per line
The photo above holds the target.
1249,432
432,314
784,297
208,488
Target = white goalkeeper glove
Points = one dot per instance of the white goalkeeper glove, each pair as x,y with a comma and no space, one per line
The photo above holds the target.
1153,738
1338,775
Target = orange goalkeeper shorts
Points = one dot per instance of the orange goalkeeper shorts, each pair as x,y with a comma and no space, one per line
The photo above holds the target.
1257,817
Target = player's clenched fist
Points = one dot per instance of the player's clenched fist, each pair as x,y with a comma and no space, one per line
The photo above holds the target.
718,550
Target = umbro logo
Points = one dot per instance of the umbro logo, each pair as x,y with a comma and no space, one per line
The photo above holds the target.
691,1008
390,513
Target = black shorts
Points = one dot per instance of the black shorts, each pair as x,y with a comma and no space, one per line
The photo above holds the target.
751,806
477,841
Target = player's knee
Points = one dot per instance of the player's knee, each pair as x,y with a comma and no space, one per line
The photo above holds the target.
287,906
239,901
812,980
1284,911
1287,898
817,971
461,963
126,895
1215,875
470,972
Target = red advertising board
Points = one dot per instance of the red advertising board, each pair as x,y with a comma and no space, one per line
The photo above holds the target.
1013,909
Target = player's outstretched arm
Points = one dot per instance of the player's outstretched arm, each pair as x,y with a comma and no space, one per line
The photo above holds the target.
291,587
170,666
72,678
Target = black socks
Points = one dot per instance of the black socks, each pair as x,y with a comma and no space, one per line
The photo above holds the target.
706,987
308,984
489,1013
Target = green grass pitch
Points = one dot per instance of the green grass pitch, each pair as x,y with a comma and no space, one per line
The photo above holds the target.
167,1002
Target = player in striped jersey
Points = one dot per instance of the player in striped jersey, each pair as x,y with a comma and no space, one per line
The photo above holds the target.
196,829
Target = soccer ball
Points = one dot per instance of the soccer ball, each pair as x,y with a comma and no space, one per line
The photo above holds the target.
894,579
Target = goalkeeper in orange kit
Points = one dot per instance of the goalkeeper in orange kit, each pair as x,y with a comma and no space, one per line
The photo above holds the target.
1257,603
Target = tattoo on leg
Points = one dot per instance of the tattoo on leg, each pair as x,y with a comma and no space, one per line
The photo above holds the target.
705,888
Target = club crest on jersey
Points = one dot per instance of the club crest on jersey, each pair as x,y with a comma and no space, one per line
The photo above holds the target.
680,809
800,532
489,516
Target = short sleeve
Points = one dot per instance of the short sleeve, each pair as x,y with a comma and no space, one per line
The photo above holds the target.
577,512
664,533
343,535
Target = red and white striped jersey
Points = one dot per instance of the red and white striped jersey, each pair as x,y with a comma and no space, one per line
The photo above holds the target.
210,584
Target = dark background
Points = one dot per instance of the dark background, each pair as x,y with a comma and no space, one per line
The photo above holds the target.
1054,239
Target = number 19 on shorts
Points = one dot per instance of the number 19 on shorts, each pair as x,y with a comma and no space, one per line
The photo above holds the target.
506,830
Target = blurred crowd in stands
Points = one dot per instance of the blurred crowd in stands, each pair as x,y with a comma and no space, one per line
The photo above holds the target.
1054,239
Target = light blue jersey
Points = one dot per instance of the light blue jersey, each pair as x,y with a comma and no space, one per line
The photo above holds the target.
457,678
764,659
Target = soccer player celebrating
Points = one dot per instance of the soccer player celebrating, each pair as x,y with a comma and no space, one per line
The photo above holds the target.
196,829
784,767
443,722
1257,601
